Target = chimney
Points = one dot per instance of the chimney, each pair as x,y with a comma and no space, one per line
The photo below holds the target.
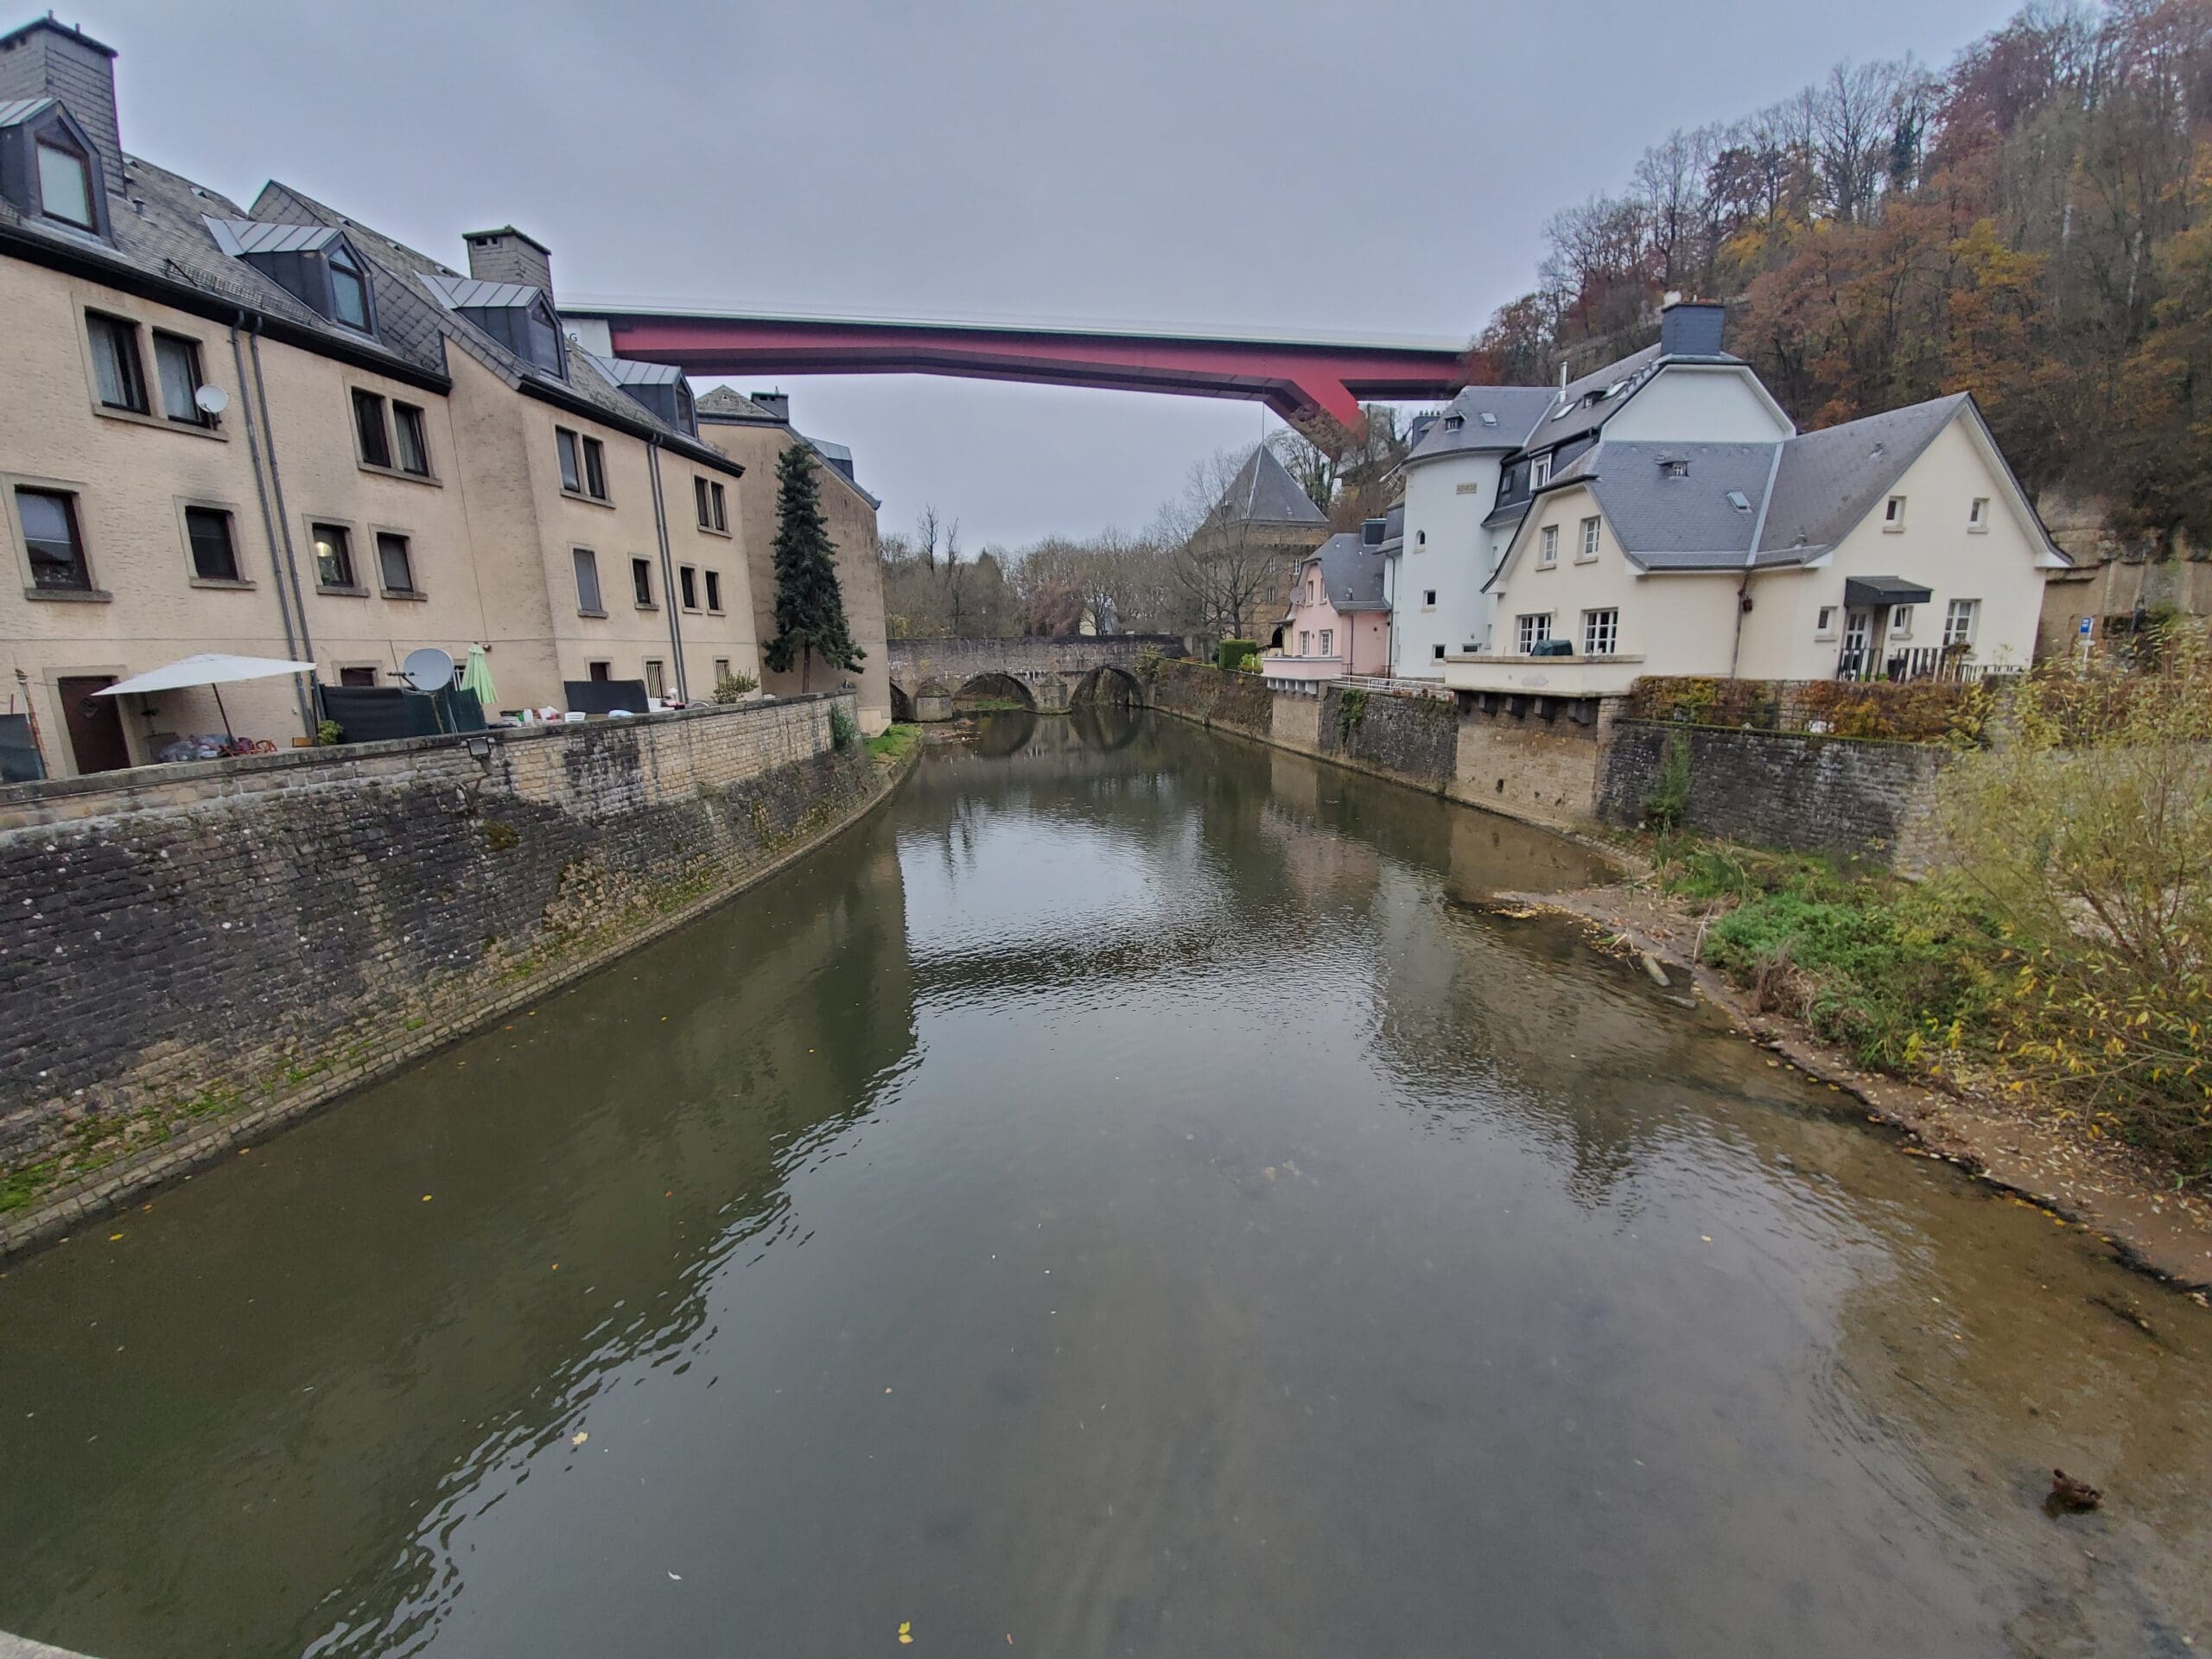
506,255
1372,530
778,404
1690,327
45,59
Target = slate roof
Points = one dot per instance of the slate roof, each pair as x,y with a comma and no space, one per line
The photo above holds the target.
163,246
1488,418
13,109
724,403
1829,480
1264,492
408,287
1350,574
1800,496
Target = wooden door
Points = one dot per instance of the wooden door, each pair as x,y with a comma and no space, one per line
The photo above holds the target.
95,725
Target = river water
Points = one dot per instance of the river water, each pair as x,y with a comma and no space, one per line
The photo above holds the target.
1120,1199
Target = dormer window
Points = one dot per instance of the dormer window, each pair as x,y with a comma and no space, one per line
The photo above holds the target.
349,289
65,185
1540,472
1676,468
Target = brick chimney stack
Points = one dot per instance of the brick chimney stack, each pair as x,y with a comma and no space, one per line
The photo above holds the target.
506,255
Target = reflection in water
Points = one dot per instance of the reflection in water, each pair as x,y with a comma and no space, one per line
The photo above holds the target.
1113,1198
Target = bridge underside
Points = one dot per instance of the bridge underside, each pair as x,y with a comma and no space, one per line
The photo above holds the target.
1302,381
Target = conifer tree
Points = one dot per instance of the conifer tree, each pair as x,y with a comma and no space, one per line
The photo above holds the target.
810,605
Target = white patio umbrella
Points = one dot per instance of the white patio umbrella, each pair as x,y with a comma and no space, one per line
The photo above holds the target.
212,669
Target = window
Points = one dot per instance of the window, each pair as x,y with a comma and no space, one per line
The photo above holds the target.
1328,642
1589,541
1824,623
176,362
395,563
1533,630
64,185
602,671
714,591
1601,632
1548,547
414,443
52,539
1959,621
116,372
361,675
713,505
349,289
594,469
1893,513
1540,472
214,557
1437,651
1421,538
368,428
721,670
1304,642
1978,514
1676,468
572,476
655,678
1428,599
587,582
333,555
641,583
686,581
1900,621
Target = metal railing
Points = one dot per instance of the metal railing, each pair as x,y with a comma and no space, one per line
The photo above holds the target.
1911,663
1398,688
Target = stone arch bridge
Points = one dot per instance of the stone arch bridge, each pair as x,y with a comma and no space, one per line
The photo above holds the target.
937,679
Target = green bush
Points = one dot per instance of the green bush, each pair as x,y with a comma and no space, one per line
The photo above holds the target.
1351,709
843,728
730,687
1231,653
1668,802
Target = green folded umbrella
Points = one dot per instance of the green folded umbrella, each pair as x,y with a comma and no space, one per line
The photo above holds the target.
477,677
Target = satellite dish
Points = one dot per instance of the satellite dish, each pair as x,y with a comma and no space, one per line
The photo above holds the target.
428,669
211,400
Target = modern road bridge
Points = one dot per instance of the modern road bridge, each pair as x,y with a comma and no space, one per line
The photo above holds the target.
1300,379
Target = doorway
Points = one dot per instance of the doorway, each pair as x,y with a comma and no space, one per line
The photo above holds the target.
1858,637
94,724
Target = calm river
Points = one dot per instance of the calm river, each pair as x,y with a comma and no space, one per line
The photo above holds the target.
1119,1199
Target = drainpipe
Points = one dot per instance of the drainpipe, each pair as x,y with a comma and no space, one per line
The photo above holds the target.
1743,587
668,587
280,555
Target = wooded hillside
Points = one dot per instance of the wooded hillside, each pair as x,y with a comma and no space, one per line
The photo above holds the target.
2031,227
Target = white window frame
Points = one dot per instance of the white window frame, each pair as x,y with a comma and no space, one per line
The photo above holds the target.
1436,653
1601,632
1900,622
1893,514
1978,515
1588,553
1961,617
1824,621
1328,642
1547,548
580,559
1428,599
1539,472
1532,628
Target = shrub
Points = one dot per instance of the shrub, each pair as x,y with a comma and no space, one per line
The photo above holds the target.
2084,843
328,732
730,687
1231,653
843,728
1668,802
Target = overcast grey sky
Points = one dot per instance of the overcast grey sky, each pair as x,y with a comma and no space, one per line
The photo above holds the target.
1381,167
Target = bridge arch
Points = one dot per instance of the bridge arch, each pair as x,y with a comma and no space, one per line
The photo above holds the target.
994,686
1108,683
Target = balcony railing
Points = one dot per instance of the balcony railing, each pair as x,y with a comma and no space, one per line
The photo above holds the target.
1900,663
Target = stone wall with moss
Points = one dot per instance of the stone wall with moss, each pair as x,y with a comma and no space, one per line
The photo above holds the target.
188,954
1214,696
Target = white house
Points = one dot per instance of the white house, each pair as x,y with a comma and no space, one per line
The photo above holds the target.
1471,478
1900,545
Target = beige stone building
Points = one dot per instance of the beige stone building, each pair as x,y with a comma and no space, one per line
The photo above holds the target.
754,432
275,432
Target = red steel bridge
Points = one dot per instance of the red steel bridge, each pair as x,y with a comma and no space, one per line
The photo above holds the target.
1298,378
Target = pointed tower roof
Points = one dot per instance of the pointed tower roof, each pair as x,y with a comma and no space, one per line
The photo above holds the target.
1264,493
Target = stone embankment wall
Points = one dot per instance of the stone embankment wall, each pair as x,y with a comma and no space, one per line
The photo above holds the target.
1571,764
1853,797
189,955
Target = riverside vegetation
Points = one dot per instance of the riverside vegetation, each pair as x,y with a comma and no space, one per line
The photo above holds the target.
2058,955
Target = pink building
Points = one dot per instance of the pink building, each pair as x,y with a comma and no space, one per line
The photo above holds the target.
1339,623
